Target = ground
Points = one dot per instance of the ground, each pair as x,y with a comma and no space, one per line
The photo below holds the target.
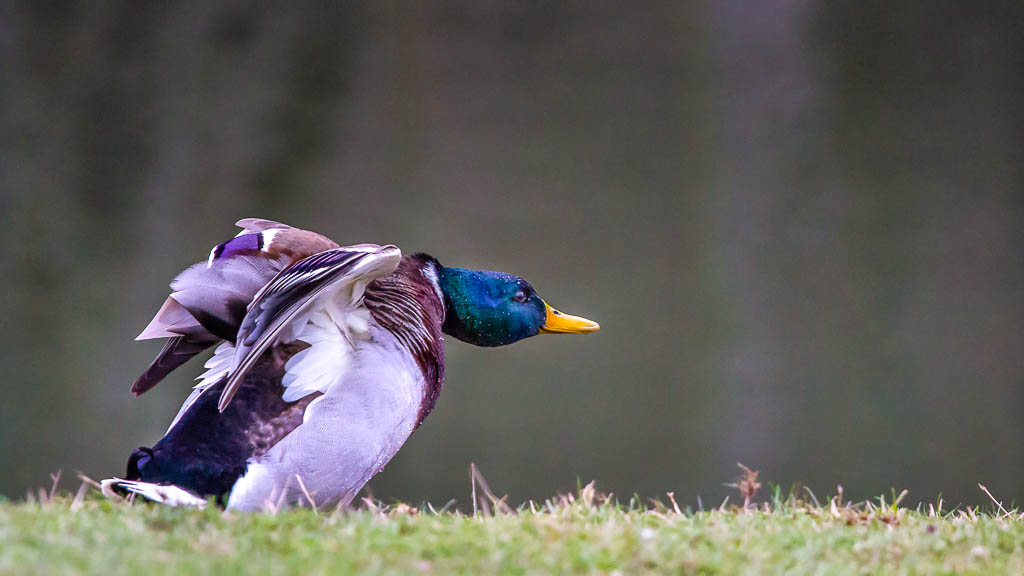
579,533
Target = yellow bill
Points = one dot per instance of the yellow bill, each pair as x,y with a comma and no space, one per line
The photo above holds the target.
559,323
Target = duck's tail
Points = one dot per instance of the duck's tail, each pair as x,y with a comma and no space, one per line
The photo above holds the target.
118,489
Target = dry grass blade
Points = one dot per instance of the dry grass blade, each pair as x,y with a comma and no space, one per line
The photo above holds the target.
370,505
588,494
272,507
86,480
746,484
836,502
472,483
672,499
79,499
55,478
499,503
309,497
998,504
896,502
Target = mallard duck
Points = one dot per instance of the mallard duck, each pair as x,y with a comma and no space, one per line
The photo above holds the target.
327,358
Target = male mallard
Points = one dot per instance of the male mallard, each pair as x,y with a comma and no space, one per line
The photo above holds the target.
328,358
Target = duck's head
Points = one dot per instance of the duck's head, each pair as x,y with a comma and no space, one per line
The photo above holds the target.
494,309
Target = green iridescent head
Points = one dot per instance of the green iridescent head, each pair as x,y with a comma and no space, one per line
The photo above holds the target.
494,309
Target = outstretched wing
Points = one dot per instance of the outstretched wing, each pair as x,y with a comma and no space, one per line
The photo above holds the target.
327,284
210,299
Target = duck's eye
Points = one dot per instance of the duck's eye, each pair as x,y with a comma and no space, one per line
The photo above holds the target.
519,297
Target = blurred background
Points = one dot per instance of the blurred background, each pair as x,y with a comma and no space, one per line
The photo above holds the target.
800,225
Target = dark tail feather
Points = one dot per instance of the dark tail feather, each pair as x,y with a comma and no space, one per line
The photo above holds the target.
140,457
176,352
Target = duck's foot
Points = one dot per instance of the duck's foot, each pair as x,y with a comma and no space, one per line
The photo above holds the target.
116,489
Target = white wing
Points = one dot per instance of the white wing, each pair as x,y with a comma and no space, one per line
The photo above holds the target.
317,300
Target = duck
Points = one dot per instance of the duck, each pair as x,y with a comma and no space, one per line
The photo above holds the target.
326,359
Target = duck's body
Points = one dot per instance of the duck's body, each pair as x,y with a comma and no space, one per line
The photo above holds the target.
334,356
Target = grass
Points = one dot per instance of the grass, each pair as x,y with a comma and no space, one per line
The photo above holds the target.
584,532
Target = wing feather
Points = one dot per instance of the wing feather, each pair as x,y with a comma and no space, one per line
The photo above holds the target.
284,302
176,351
258,225
210,298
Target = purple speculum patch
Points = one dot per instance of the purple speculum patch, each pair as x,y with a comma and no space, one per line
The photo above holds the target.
243,243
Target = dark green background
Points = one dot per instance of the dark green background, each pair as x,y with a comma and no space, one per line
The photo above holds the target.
800,225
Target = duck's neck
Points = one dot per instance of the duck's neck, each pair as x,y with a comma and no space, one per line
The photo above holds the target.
448,284
455,286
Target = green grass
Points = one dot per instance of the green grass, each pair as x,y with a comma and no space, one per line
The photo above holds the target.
582,533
